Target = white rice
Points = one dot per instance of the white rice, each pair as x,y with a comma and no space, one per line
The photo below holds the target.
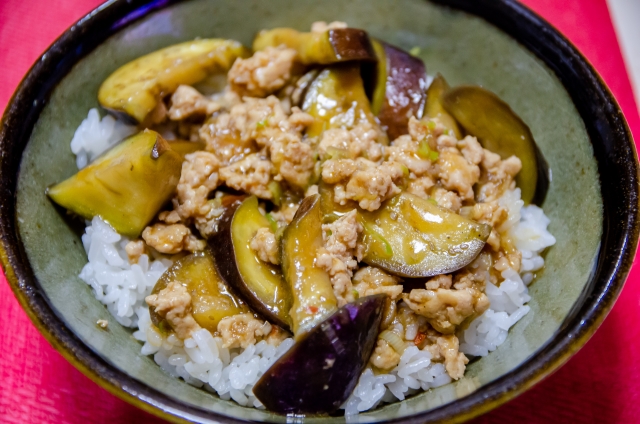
94,136
203,362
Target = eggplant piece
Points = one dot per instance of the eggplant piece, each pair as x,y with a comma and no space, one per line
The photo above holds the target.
185,147
399,83
135,89
126,186
315,48
336,99
411,237
498,128
261,284
211,299
319,373
433,108
313,297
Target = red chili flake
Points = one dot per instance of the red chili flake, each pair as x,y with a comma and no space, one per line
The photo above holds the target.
419,339
313,309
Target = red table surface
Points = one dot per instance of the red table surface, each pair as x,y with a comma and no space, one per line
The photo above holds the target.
601,383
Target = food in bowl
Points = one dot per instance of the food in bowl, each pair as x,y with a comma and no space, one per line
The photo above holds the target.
310,226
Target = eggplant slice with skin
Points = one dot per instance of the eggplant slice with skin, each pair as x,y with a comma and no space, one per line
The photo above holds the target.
499,129
320,371
320,48
260,283
211,299
126,186
134,90
313,296
399,82
411,237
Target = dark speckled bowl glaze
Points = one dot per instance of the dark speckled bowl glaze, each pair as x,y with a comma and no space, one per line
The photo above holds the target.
592,201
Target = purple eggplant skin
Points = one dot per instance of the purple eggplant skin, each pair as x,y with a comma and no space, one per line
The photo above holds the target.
397,85
320,371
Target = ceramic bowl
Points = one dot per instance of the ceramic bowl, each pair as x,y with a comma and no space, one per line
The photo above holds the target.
499,44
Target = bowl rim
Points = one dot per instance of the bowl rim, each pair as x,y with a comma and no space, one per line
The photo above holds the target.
610,137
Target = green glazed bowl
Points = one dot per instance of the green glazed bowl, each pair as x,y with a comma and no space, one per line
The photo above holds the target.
499,44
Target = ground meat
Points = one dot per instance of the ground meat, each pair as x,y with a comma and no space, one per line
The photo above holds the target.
384,357
249,126
337,170
499,176
509,261
263,73
187,101
361,140
371,280
135,249
421,187
337,256
447,199
199,177
471,149
241,330
265,245
458,174
251,175
454,361
404,150
171,239
322,26
442,281
368,183
169,217
446,309
489,213
174,304
293,160
276,336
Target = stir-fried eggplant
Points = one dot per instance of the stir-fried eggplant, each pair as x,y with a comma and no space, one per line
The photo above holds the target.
185,147
336,99
499,129
211,299
411,237
260,283
126,186
136,88
399,82
433,108
319,48
313,297
319,373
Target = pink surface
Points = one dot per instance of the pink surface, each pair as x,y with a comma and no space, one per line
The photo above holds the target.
599,384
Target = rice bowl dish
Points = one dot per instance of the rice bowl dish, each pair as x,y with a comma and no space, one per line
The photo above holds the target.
418,347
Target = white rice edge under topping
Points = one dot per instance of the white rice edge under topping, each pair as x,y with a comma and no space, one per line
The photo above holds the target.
95,136
203,362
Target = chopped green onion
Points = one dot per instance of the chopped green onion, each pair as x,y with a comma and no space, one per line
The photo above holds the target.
276,192
356,295
394,340
433,156
405,170
431,125
377,236
415,51
261,124
424,150
164,327
273,224
432,201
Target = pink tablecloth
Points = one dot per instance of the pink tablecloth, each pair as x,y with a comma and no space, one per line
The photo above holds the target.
599,384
